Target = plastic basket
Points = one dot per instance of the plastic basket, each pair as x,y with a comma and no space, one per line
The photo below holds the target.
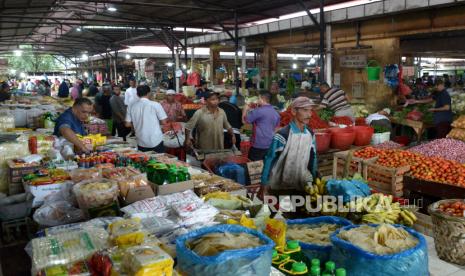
448,234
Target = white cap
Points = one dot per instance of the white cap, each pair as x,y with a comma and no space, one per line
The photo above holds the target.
170,92
387,110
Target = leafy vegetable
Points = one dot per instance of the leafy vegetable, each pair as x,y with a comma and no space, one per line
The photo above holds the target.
380,129
326,114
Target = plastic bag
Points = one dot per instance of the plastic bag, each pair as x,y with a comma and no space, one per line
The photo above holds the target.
414,115
312,251
254,261
411,262
232,171
348,189
57,213
95,193
79,175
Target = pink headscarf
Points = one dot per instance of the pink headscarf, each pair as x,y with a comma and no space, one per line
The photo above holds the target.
75,91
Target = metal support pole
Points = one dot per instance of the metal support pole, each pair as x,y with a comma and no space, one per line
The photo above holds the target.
178,83
244,62
236,56
329,56
185,47
322,42
114,64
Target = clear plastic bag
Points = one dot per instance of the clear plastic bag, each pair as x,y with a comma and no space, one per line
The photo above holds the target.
95,193
79,175
57,213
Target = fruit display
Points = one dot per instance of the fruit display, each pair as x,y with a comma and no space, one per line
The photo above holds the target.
379,208
317,189
435,169
454,208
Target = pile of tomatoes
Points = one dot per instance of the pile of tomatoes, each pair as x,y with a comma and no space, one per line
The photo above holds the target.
455,209
342,120
315,122
428,168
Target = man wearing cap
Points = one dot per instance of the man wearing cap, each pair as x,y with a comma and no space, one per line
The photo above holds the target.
209,123
173,108
380,119
291,162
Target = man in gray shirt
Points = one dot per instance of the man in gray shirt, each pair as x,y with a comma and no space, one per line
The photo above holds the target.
118,110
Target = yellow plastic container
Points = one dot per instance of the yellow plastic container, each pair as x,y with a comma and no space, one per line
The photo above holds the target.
127,232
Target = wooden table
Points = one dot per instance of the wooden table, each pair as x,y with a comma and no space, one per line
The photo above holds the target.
418,126
429,191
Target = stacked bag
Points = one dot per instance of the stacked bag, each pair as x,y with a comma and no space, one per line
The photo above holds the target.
458,131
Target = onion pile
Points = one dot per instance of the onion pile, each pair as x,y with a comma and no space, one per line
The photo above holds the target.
446,148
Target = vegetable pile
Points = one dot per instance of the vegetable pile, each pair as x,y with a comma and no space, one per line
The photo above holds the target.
458,104
416,113
315,122
449,149
455,209
342,120
435,169
326,114
388,145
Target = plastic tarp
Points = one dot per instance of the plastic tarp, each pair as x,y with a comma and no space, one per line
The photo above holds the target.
348,189
232,171
411,262
242,262
321,252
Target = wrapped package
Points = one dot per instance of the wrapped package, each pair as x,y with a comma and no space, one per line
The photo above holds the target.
66,248
100,223
79,175
127,232
156,225
147,261
126,177
194,212
409,262
161,205
7,120
254,261
95,193
57,213
321,247
11,150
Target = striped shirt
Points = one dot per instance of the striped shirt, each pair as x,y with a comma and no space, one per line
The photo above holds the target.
335,99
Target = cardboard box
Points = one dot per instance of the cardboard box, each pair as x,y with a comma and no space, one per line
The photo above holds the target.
138,193
174,187
42,191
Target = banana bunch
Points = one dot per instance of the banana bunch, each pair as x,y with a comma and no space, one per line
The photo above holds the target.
318,188
379,208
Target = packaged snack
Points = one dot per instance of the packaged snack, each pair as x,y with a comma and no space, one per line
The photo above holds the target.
276,230
147,261
76,269
79,175
96,193
67,248
127,232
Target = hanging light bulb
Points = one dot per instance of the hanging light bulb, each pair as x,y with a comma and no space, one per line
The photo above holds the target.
85,57
127,56
184,67
294,57
294,66
112,9
312,60
18,52
78,29
305,70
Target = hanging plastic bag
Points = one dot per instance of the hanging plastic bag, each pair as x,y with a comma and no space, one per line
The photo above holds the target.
232,171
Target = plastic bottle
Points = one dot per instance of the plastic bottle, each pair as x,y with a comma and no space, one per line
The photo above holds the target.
330,267
315,271
299,267
293,249
341,272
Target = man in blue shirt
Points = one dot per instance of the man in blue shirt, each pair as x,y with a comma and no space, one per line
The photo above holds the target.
70,123
442,110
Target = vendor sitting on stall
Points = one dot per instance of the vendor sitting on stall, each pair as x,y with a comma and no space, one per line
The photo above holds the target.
380,119
336,99
209,123
203,91
70,123
173,108
291,161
